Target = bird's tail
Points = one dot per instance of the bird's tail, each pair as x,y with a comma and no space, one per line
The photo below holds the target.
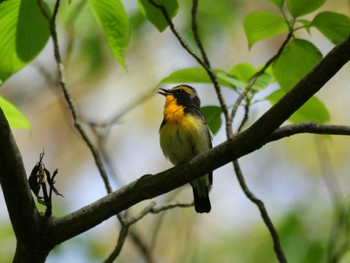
201,204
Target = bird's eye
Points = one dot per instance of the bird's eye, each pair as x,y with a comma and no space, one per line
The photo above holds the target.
180,90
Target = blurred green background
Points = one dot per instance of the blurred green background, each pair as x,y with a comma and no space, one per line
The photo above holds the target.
303,180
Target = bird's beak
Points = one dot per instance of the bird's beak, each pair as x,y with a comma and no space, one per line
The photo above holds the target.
164,92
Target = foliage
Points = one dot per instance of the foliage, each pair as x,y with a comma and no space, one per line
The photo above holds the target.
23,33
114,23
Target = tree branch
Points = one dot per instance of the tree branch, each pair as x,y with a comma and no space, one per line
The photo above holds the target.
308,127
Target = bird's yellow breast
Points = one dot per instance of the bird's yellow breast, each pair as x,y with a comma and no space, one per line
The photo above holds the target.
173,112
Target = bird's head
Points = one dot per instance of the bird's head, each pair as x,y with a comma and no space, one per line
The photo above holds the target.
185,95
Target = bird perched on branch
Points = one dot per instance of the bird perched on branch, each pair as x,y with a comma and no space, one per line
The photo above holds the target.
184,134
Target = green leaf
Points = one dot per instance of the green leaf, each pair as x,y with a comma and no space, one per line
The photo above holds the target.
113,19
312,110
335,26
23,34
243,71
199,75
188,75
233,82
306,24
14,116
297,59
212,115
302,7
155,16
191,75
240,75
261,83
278,3
261,25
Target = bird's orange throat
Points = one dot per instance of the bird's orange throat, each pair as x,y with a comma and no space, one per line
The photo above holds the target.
173,112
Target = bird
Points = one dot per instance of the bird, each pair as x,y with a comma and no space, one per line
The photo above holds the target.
184,134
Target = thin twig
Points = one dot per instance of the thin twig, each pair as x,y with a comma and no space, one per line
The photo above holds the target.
307,127
209,70
245,116
44,10
276,242
64,88
196,33
169,206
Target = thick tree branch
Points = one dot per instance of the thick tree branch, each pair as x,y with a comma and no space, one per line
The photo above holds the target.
253,138
150,186
24,216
